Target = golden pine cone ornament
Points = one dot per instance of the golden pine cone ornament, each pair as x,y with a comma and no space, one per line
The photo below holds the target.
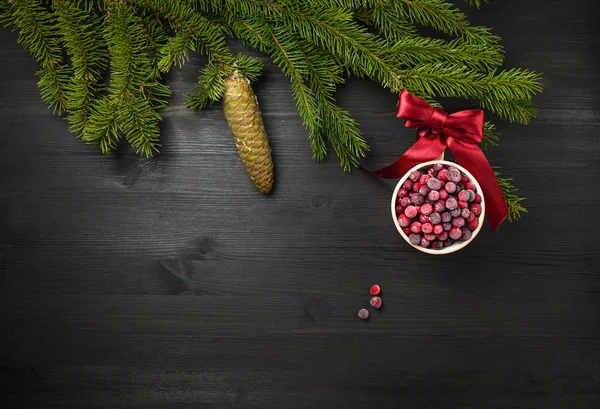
242,113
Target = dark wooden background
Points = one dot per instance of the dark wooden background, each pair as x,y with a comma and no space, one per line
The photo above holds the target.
172,282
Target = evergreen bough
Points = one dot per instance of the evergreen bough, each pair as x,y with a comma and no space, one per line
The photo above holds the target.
317,44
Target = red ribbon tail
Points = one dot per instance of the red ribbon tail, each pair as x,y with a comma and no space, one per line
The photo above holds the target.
426,148
472,158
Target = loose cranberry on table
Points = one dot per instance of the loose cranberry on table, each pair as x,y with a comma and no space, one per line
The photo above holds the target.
376,302
375,290
363,314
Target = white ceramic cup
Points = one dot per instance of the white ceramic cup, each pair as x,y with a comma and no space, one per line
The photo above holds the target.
457,245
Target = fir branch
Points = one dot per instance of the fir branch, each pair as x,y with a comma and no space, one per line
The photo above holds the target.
36,27
490,136
513,201
475,3
438,14
388,19
209,89
193,31
83,42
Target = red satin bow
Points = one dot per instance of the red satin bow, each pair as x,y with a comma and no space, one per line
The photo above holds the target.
460,132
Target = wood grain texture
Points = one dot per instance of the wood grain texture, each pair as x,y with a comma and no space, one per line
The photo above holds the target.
171,282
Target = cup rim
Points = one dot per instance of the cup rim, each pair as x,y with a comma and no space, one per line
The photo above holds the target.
455,246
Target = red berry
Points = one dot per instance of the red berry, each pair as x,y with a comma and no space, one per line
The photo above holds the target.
438,166
475,208
434,195
424,190
424,242
463,204
471,217
464,179
446,217
463,195
466,234
455,233
454,175
435,218
430,171
414,238
404,220
477,198
434,184
427,227
473,224
376,301
414,175
417,199
399,210
465,213
415,227
405,202
442,175
470,186
442,236
443,195
458,222
451,203
402,193
416,187
406,230
427,209
450,187
430,236
423,180
437,245
410,211
423,218
448,242
408,184
363,314
375,290
438,229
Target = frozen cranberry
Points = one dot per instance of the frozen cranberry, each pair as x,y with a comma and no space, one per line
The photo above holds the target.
448,242
418,209
404,220
471,217
477,198
410,211
430,236
363,314
435,218
439,206
464,179
450,187
463,195
416,187
376,302
424,190
473,224
405,202
399,210
456,212
417,199
462,204
459,187
415,227
451,203
408,184
434,195
402,193
466,234
455,233
437,229
430,171
442,175
470,186
437,245
458,222
443,235
414,175
414,238
434,184
406,230
475,208
423,218
447,226
443,195
424,242
454,175
438,166
423,179
427,209
465,213
427,228
446,217
375,290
